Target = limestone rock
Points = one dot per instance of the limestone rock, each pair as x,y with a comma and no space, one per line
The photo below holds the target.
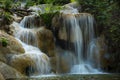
62,62
12,45
21,62
1,77
17,18
26,63
104,56
46,41
9,72
9,46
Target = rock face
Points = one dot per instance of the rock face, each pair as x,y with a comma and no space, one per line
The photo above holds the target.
62,62
27,63
12,45
104,57
1,77
22,62
46,41
9,46
9,72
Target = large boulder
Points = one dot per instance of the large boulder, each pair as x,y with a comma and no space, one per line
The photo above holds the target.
46,41
8,46
9,72
63,61
27,63
1,77
21,62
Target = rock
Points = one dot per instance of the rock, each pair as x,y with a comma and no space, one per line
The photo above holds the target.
104,56
21,62
9,72
53,62
32,21
100,57
17,18
63,61
1,77
27,63
46,41
9,46
12,46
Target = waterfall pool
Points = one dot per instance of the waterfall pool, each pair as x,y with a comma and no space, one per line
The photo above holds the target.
74,77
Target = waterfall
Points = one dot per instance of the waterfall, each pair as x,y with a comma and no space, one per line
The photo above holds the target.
80,31
25,33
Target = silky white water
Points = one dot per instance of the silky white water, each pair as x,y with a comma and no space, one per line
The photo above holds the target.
28,36
80,31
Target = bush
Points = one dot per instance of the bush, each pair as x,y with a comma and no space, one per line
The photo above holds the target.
47,18
7,4
6,18
4,42
50,12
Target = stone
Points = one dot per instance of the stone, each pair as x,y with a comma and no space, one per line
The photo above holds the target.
104,56
46,41
27,63
9,72
1,77
21,62
12,47
17,18
62,62
9,46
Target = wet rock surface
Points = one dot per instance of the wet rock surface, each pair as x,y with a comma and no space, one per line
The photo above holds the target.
9,46
9,72
45,40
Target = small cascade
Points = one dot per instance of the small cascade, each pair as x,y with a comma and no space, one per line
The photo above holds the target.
79,29
41,60
25,33
31,21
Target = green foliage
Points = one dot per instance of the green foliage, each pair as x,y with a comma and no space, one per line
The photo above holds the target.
49,13
47,18
4,42
72,0
45,1
6,18
29,3
100,9
114,29
7,4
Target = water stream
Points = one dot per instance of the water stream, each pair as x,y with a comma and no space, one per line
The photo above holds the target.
27,37
79,29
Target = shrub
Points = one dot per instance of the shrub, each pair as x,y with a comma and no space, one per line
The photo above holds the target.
4,42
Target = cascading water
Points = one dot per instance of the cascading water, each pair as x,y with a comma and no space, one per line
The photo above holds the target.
80,31
26,32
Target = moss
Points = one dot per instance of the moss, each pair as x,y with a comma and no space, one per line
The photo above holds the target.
47,18
4,42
